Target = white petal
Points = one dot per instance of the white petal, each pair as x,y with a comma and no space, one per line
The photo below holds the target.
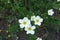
21,26
33,27
20,20
39,24
58,0
28,21
41,19
38,17
32,32
39,38
50,10
32,18
27,25
50,14
35,23
25,18
26,28
28,32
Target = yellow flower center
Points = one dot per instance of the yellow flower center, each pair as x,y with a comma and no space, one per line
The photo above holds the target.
24,23
37,20
29,28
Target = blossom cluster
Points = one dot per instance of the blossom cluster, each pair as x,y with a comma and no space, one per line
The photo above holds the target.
27,23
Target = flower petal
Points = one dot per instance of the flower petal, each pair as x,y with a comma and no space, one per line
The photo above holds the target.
39,24
21,26
25,18
32,32
33,27
41,19
32,18
20,20
39,38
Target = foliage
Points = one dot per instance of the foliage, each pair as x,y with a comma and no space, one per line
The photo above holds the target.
22,8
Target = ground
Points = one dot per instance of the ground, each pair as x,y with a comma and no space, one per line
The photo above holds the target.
41,32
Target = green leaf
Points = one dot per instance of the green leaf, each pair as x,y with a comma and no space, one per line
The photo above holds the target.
13,28
32,37
0,37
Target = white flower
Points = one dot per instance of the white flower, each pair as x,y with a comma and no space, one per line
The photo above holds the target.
50,12
38,20
24,22
30,29
32,18
58,0
39,38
